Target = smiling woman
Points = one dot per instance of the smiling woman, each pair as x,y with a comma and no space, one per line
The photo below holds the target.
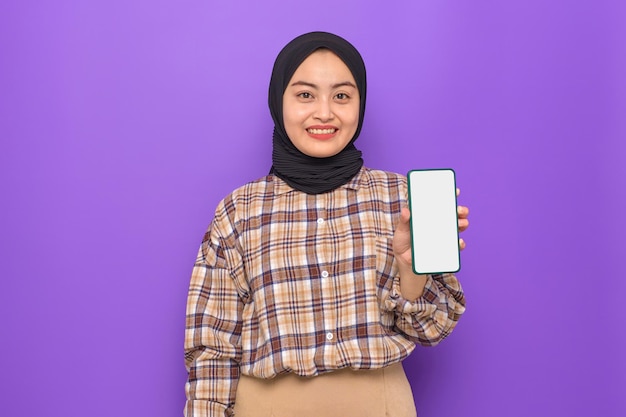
318,63
302,300
321,105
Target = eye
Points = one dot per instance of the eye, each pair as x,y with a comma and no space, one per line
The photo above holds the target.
342,96
305,95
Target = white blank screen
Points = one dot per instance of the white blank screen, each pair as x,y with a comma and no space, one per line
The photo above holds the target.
434,227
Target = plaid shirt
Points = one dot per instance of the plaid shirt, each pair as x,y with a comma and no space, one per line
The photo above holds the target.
291,282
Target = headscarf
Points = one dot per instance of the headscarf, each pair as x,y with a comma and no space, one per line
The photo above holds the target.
302,172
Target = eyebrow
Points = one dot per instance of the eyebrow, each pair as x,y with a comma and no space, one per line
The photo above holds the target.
311,85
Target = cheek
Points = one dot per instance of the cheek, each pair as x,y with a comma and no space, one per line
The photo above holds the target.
352,119
292,123
293,114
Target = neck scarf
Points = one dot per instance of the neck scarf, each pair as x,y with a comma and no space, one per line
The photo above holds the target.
302,172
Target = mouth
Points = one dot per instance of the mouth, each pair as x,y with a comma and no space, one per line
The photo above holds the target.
322,133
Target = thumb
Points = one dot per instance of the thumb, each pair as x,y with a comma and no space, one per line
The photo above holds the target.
403,220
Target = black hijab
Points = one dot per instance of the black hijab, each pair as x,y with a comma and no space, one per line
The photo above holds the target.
300,171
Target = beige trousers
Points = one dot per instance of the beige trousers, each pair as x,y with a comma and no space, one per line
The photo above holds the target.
345,393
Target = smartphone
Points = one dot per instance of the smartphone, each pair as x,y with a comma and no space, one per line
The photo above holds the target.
434,223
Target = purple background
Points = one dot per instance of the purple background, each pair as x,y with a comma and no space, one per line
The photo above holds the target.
123,123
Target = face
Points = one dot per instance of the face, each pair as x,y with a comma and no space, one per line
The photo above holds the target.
321,105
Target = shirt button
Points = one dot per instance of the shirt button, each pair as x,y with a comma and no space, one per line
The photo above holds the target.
320,221
329,336
324,274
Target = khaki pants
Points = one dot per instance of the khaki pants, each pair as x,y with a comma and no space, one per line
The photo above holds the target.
345,393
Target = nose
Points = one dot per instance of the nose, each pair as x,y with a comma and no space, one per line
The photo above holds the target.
323,111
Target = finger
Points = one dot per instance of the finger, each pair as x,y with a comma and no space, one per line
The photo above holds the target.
458,191
463,224
462,212
461,244
406,214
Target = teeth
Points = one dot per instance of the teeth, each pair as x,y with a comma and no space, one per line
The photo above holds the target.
321,131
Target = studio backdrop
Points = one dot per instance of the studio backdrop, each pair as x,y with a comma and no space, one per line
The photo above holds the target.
123,124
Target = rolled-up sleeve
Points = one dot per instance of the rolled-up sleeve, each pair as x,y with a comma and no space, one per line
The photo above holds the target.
433,316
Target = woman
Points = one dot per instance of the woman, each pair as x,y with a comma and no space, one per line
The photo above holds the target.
302,299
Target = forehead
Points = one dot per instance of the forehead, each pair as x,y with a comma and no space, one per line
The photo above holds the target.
323,64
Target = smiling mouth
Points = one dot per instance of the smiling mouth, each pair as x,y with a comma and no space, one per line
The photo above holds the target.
321,131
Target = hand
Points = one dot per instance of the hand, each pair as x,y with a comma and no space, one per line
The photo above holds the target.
402,239
412,285
462,213
402,234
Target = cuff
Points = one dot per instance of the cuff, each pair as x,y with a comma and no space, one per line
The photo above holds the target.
422,307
